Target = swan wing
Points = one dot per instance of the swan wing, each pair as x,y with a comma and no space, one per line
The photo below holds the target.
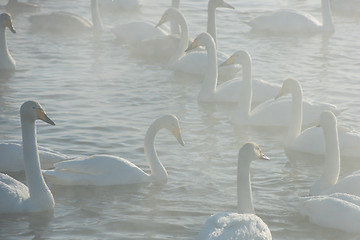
234,226
13,194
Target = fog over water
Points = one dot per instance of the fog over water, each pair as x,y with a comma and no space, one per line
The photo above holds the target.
103,99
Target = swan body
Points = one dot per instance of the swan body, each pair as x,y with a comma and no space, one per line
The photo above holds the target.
15,197
103,170
328,182
11,157
7,62
338,211
14,6
294,22
244,224
66,22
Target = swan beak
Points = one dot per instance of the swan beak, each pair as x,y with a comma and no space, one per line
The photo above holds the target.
42,115
162,21
226,5
264,157
193,45
10,26
177,134
279,94
229,61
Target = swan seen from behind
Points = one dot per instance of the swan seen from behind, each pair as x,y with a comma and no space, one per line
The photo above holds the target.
104,170
7,62
294,22
243,224
15,197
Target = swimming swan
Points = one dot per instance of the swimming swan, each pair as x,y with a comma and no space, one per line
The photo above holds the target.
295,22
328,182
12,158
15,197
102,170
311,140
244,224
66,22
7,62
339,211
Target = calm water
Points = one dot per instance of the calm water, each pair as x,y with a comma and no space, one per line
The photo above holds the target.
103,101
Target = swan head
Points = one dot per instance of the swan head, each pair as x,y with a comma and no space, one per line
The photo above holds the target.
327,119
5,21
288,87
169,15
201,40
252,151
239,57
220,3
171,123
32,110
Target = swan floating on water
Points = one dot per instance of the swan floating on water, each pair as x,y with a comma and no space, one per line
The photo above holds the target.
328,182
244,224
104,170
294,22
7,62
66,22
15,197
12,158
311,140
338,211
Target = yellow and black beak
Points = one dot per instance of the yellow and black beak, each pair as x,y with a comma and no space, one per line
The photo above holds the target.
193,45
162,21
10,26
42,115
264,157
229,61
177,134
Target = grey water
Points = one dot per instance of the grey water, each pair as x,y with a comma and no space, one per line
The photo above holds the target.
103,99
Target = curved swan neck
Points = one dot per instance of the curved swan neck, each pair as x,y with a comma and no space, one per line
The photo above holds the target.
211,23
210,82
95,15
245,203
244,105
3,44
34,178
174,27
184,38
158,171
296,113
328,24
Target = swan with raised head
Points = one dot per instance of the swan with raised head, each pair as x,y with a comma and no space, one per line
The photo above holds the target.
338,211
12,158
328,182
311,140
294,22
272,112
244,224
15,197
133,33
67,22
7,62
103,170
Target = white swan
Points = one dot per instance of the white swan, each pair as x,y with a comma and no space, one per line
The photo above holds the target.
7,62
273,112
294,22
15,197
133,33
14,6
339,211
11,157
102,170
328,182
244,224
311,140
66,22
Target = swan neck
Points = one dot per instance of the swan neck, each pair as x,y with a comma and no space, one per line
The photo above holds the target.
296,115
210,82
3,44
184,40
174,27
328,24
34,178
244,105
158,171
95,15
211,23
245,203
